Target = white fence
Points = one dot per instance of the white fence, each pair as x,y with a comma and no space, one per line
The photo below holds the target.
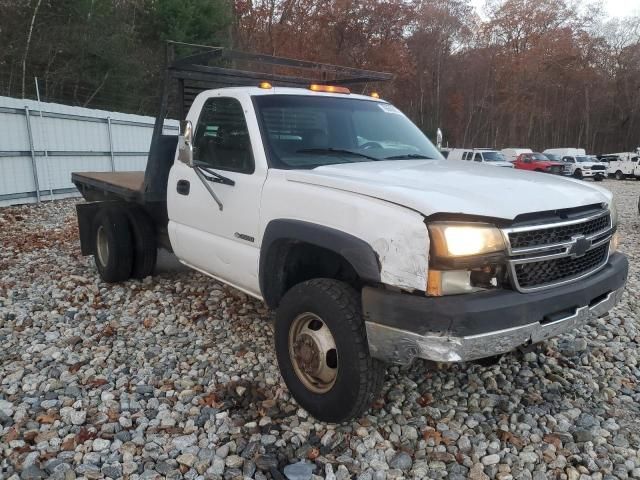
42,143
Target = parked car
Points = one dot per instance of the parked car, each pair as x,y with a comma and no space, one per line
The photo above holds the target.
511,154
537,162
581,167
374,253
622,165
577,163
558,153
480,155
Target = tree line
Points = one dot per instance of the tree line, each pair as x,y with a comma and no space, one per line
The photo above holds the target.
529,73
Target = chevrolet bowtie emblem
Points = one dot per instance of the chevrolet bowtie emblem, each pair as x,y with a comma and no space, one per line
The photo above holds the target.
579,246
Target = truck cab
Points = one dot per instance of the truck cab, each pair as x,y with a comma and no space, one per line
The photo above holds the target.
538,162
372,249
484,156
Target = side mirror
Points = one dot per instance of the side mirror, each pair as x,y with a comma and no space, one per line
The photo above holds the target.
185,143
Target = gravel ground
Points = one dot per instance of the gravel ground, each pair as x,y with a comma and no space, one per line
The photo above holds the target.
175,377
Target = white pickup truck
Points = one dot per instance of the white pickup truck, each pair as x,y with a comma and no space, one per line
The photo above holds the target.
338,212
577,164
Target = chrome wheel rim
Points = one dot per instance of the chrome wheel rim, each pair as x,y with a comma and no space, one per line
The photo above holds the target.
102,246
313,352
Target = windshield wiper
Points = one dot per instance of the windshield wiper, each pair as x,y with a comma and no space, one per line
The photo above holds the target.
408,155
216,177
337,151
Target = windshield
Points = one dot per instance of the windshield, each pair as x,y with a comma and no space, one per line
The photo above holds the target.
303,131
538,157
493,157
583,159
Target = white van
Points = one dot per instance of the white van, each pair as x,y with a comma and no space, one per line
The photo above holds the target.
557,153
480,155
511,154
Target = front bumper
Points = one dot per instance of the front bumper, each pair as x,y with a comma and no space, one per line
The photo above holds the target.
402,327
594,173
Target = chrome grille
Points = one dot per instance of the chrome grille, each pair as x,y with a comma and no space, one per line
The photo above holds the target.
550,235
542,256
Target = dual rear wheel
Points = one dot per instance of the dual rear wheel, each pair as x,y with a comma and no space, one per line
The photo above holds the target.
124,244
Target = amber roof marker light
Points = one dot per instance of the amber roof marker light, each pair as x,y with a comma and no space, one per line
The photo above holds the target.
265,85
375,94
314,87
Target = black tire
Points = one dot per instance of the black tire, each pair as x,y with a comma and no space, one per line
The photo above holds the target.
359,377
145,246
598,178
619,175
578,174
111,225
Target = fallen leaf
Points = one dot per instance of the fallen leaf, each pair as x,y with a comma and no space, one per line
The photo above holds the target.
97,382
46,418
210,400
509,437
69,444
553,439
108,331
12,434
83,435
434,434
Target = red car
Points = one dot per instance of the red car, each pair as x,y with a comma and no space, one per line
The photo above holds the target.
538,163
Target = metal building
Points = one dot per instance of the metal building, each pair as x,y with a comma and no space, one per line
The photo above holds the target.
42,143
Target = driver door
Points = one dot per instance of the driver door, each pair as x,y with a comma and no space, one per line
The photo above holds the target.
214,205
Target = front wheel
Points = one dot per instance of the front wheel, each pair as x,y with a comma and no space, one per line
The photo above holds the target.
619,175
578,174
322,350
598,178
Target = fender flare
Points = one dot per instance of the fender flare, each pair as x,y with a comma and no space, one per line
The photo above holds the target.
354,250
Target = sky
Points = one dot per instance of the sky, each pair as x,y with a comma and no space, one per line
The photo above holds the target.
613,8
622,8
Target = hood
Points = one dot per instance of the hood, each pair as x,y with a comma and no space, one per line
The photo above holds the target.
443,186
588,164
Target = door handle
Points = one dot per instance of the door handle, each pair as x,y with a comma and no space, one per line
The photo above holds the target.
183,187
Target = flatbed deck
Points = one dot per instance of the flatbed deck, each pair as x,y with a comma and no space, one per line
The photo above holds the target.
101,185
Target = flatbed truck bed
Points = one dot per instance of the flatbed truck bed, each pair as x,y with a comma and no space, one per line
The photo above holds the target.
104,185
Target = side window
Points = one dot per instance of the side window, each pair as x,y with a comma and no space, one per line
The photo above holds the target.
464,155
222,138
477,158
634,159
568,160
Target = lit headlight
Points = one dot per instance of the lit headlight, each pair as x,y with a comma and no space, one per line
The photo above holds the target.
463,240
